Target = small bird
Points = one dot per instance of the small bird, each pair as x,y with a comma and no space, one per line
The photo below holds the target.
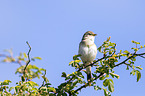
88,51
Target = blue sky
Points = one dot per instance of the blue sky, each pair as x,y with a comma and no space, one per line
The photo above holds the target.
54,29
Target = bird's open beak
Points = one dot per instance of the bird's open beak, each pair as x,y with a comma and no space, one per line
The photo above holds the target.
94,34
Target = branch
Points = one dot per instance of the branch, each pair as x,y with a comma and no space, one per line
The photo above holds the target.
65,83
86,67
142,56
43,81
129,58
85,85
123,62
28,57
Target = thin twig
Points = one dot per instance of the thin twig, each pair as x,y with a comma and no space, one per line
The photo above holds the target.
142,56
28,57
43,81
85,85
129,65
129,58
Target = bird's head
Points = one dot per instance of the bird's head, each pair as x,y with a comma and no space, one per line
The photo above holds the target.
89,35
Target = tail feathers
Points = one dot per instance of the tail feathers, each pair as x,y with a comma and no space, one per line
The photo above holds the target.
89,76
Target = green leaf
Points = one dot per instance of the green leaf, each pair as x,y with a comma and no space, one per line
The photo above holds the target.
135,49
33,67
135,42
139,67
132,41
32,83
102,78
113,74
106,82
129,62
45,78
120,51
77,61
11,88
71,62
47,84
111,81
141,46
99,49
17,89
138,74
133,72
127,68
126,52
133,66
43,88
75,57
25,55
51,89
112,44
79,74
134,59
63,74
108,38
23,78
107,76
111,87
105,92
6,82
39,58
64,94
97,88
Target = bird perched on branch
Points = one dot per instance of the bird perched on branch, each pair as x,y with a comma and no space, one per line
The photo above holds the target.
88,51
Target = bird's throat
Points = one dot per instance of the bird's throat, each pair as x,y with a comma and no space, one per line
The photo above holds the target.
88,42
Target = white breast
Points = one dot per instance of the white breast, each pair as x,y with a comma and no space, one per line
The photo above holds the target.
88,53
